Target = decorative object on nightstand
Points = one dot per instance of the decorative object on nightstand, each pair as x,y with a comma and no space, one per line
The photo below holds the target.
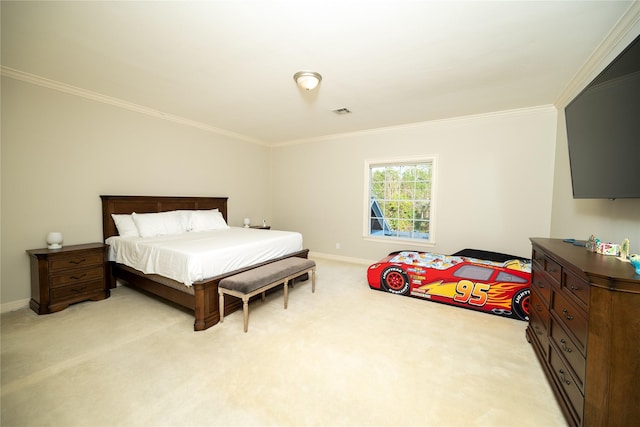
54,240
64,276
246,222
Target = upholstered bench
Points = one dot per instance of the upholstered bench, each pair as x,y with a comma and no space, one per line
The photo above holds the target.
259,280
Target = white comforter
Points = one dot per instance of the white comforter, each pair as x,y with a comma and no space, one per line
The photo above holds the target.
194,256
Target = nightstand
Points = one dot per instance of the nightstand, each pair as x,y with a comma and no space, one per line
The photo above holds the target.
60,277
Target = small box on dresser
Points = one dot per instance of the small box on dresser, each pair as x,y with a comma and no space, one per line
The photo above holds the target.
60,277
584,327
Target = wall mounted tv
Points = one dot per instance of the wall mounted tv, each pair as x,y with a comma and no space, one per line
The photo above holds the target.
603,131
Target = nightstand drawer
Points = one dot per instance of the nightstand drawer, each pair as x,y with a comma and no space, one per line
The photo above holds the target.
77,290
78,260
77,276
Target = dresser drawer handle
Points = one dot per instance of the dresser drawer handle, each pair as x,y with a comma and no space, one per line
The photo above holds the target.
566,314
538,307
552,270
78,277
564,346
538,331
80,290
540,284
73,261
563,379
574,288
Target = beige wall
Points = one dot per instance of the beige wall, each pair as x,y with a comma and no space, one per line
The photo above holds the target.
495,176
60,152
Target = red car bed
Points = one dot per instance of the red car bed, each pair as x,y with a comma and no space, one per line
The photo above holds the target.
479,280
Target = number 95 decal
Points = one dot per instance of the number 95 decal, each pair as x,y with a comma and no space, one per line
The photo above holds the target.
471,293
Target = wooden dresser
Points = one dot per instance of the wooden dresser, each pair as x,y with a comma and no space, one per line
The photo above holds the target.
60,277
584,327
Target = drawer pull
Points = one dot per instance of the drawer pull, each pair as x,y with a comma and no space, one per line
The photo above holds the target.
538,331
73,261
566,314
78,277
80,290
540,284
574,288
563,379
564,346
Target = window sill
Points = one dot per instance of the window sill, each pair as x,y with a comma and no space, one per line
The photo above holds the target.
413,242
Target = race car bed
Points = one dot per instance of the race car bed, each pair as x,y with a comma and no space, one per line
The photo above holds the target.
485,281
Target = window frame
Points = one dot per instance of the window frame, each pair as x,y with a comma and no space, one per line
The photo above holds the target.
399,161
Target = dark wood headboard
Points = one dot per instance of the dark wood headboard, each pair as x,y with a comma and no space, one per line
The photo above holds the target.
150,204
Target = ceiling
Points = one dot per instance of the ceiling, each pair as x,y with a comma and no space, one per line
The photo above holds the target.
227,66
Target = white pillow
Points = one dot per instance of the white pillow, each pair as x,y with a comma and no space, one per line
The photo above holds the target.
161,223
125,225
207,220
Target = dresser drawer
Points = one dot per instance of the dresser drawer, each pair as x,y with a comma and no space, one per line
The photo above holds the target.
553,269
575,360
577,287
78,290
76,260
77,276
568,386
572,318
539,329
540,285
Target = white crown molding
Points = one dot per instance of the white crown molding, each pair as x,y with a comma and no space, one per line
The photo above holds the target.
516,111
119,103
599,59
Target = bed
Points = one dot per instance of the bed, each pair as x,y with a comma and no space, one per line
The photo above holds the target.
200,296
479,280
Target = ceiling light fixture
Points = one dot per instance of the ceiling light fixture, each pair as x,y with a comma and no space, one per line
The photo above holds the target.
307,80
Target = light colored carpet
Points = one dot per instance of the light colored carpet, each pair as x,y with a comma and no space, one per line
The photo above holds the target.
344,356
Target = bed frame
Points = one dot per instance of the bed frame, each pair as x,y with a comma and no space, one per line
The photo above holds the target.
203,300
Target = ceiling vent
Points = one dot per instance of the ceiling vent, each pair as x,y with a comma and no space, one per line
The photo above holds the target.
342,110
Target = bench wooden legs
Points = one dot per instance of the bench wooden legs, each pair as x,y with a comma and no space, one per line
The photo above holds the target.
245,297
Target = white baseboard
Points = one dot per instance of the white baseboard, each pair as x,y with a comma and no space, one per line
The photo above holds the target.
14,305
341,258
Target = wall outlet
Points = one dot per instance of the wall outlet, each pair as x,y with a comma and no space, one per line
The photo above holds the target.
338,245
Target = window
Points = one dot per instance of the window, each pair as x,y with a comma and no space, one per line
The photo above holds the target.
399,203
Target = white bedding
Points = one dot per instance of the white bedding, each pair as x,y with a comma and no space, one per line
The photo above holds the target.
194,256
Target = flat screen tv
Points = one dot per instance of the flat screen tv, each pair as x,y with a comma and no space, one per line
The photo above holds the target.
603,131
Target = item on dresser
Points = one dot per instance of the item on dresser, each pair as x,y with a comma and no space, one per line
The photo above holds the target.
608,249
584,328
198,290
60,277
635,261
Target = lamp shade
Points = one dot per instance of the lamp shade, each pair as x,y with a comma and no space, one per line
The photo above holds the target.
54,240
307,80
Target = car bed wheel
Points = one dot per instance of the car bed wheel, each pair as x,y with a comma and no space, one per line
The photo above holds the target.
395,281
520,304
